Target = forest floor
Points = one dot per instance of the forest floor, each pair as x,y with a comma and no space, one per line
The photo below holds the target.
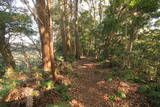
89,88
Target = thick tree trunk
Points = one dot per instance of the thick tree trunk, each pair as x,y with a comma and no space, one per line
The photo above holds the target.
46,34
76,31
6,52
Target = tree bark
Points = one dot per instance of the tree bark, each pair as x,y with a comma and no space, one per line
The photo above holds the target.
62,28
46,34
67,27
76,31
129,52
6,52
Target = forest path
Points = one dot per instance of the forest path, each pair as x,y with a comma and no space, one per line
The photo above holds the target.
90,88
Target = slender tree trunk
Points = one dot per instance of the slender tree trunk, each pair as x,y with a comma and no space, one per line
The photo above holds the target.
6,52
62,27
76,31
129,51
26,58
46,34
50,2
100,10
67,28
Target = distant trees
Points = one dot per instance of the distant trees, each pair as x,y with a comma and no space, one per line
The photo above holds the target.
66,8
10,22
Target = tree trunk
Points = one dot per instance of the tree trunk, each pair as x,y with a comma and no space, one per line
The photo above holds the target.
100,10
6,52
129,51
62,27
76,31
46,34
67,28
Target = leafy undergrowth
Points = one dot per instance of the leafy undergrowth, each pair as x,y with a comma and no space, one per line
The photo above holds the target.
88,86
119,94
6,84
39,91
152,91
99,87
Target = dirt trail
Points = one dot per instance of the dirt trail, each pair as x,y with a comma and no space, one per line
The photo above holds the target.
91,90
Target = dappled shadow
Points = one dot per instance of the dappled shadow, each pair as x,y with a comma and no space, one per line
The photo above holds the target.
92,90
85,91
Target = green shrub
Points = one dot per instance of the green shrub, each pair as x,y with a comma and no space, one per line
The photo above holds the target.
112,97
152,91
47,83
63,90
127,75
6,85
119,94
110,76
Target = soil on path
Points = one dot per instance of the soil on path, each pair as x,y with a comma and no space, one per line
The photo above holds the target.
90,88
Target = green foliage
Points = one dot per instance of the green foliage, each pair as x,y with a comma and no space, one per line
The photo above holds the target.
127,75
141,78
63,90
152,91
77,74
59,104
47,83
149,6
122,75
5,104
98,71
119,94
70,58
110,24
6,84
122,23
111,75
112,97
16,22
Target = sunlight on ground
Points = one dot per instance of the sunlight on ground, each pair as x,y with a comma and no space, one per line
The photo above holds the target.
75,103
90,65
82,67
